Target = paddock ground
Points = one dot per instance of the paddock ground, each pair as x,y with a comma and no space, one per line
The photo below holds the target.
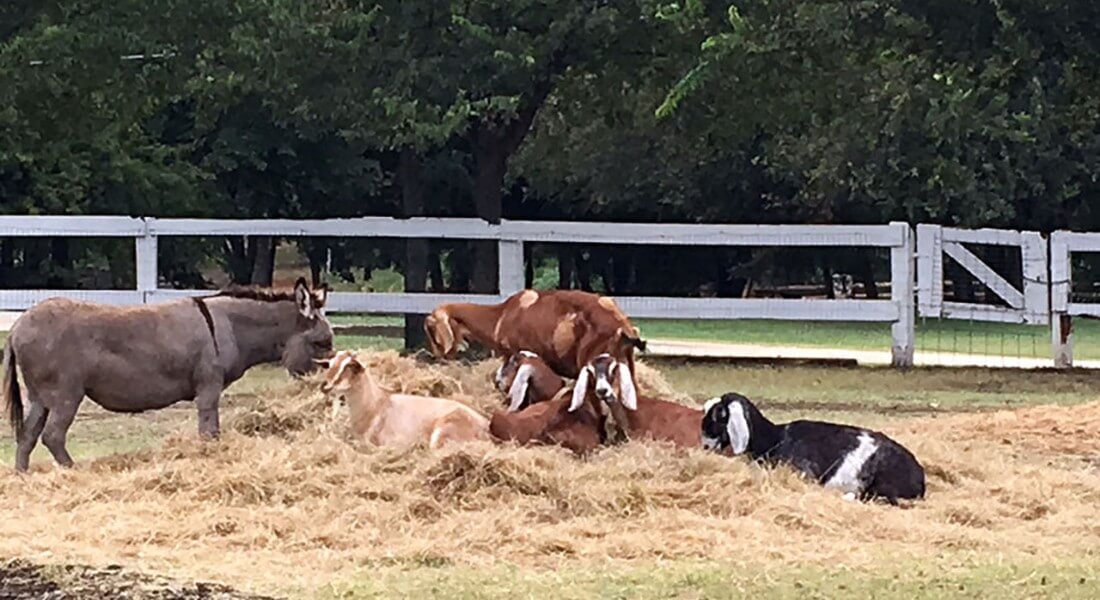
282,505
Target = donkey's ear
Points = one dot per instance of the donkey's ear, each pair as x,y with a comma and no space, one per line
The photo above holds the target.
302,297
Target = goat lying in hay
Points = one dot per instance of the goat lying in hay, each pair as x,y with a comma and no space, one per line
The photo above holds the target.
525,379
604,380
862,463
133,359
528,381
566,328
386,419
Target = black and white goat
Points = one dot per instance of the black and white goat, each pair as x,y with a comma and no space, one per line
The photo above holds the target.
863,464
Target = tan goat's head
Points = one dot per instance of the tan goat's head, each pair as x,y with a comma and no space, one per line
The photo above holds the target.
342,372
609,380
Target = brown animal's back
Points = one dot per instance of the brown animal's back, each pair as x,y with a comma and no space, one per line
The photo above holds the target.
566,328
551,423
670,422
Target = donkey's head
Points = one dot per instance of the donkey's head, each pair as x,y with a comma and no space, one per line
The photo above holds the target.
312,336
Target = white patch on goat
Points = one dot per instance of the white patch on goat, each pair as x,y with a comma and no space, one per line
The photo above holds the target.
738,428
709,404
518,392
626,388
528,354
580,389
846,477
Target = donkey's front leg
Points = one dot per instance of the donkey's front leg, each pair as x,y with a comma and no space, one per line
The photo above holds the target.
207,402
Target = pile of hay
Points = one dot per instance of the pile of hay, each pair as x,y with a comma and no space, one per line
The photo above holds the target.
283,489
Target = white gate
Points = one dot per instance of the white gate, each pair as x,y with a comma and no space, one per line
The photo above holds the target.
1029,305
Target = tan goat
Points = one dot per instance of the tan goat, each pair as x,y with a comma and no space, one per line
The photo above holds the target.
387,419
602,381
566,328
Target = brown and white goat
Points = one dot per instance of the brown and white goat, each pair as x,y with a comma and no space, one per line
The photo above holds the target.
602,380
566,328
525,379
387,419
538,411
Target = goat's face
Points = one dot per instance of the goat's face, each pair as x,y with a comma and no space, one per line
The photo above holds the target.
513,377
610,381
443,339
341,373
725,424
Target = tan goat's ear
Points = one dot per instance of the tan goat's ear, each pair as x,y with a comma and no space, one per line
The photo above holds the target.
443,334
302,298
580,390
518,392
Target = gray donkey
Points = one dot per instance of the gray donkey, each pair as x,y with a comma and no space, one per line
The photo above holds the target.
133,359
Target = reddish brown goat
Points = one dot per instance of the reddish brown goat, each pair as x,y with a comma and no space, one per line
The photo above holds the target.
546,418
525,379
601,382
566,328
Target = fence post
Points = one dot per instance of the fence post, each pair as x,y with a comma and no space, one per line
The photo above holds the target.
1061,323
903,330
145,254
511,266
930,270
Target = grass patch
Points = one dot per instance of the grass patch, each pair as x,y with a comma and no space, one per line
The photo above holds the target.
685,579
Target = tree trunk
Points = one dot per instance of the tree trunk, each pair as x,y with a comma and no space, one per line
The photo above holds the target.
528,266
488,191
6,263
565,268
61,271
263,262
435,269
866,276
416,250
584,272
237,261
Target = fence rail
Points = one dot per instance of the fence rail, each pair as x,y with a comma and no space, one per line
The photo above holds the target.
1028,305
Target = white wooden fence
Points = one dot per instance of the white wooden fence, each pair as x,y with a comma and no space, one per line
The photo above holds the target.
1045,297
510,236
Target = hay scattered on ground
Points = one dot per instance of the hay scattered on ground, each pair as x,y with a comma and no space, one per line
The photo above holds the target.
283,489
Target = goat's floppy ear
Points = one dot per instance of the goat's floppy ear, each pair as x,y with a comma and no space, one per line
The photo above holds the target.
738,428
439,329
627,391
518,392
302,298
580,389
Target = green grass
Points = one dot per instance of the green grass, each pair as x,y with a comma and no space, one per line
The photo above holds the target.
933,335
683,579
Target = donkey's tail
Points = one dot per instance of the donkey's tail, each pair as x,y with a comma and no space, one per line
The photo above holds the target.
12,396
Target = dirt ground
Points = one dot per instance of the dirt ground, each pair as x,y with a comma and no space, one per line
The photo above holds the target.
22,580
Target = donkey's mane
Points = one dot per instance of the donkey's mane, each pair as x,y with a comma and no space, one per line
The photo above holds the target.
262,294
